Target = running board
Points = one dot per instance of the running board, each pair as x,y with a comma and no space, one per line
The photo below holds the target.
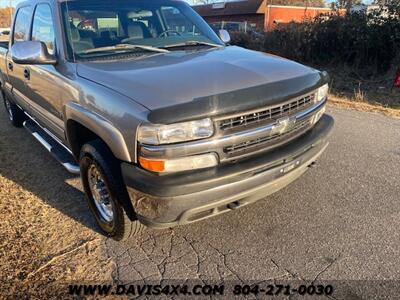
61,154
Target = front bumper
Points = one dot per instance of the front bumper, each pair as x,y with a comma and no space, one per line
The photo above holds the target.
177,199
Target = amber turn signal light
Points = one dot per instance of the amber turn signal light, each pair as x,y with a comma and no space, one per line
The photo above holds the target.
152,165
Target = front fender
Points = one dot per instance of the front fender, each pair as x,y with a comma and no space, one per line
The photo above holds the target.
101,127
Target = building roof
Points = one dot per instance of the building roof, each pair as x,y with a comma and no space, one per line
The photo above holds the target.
244,7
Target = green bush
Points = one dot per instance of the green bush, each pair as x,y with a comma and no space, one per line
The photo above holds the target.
365,42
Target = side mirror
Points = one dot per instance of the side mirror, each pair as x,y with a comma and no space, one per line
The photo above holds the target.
224,36
32,53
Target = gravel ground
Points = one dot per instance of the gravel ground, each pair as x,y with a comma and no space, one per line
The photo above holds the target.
339,221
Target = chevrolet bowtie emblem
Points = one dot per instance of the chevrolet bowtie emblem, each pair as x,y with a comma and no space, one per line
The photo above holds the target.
284,125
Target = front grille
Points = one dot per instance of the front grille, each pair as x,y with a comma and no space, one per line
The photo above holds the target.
238,149
272,113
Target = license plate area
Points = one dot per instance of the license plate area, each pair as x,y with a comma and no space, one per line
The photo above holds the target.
295,164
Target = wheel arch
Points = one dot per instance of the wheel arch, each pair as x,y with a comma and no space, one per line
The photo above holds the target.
83,125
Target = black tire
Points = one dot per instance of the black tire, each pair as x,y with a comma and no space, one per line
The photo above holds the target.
96,154
15,114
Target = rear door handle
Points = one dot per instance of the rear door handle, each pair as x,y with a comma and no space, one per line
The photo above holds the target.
10,66
27,74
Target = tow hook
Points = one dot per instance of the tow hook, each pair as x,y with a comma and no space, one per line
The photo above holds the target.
312,165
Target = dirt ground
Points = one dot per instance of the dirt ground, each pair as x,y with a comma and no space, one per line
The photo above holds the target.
40,241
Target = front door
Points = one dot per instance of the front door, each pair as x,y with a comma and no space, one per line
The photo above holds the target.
17,73
45,82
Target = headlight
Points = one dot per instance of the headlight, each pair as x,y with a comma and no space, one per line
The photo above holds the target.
175,133
323,92
179,164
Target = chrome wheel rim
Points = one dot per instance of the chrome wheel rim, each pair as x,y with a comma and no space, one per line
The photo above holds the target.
9,109
100,194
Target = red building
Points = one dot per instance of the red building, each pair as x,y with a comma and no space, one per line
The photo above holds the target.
250,11
275,14
257,14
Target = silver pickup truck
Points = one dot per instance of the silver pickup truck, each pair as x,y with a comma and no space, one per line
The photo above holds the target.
164,121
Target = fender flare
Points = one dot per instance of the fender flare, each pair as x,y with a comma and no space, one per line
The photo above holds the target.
100,126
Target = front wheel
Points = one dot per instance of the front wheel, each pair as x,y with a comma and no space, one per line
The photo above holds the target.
105,191
15,114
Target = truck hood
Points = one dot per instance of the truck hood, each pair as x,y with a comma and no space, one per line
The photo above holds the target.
184,85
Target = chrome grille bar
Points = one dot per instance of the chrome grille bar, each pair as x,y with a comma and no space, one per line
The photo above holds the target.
251,144
271,113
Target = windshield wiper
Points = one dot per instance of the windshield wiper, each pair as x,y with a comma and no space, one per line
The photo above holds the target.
192,43
124,47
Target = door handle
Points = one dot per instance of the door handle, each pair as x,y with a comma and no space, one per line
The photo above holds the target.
27,74
10,66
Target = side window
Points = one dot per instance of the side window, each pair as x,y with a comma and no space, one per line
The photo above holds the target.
43,27
22,24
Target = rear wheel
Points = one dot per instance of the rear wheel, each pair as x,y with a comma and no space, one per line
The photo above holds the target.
106,191
15,114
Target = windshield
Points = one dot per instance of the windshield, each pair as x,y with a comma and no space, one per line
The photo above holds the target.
106,28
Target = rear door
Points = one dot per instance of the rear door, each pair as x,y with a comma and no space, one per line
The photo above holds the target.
17,72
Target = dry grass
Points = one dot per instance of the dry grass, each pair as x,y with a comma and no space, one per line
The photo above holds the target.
351,90
47,235
364,106
378,91
41,246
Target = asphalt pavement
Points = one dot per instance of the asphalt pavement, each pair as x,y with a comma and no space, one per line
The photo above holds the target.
340,221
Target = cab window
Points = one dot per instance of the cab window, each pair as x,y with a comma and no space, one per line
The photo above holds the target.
43,27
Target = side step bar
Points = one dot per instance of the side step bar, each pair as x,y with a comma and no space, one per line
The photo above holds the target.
58,151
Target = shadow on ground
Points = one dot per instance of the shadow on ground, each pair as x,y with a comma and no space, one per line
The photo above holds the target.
24,161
